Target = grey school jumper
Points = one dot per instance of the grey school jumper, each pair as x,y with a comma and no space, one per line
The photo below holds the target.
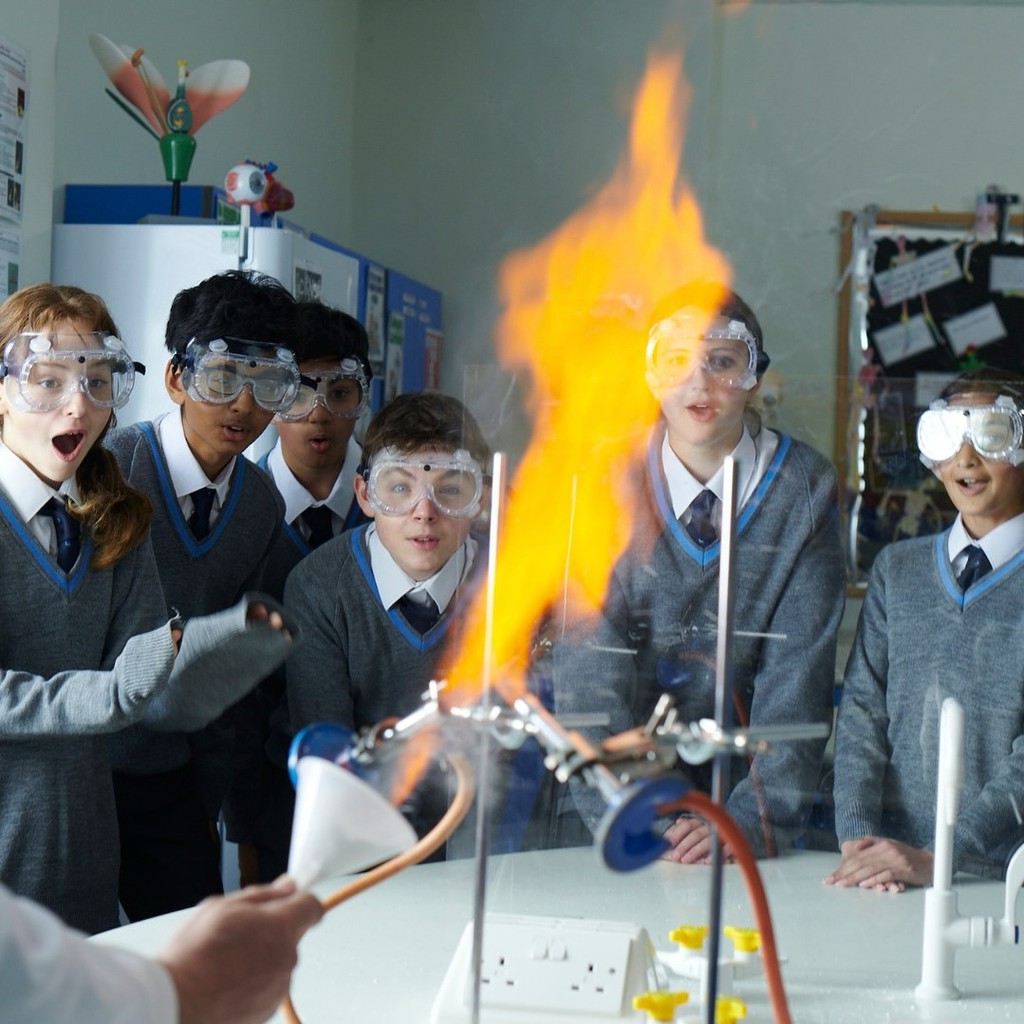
661,615
358,662
198,577
70,674
920,640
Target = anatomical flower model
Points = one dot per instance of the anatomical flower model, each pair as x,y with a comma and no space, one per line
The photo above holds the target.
201,93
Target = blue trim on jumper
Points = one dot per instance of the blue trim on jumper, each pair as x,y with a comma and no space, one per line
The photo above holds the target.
412,637
298,541
980,587
354,518
42,558
705,556
296,538
195,548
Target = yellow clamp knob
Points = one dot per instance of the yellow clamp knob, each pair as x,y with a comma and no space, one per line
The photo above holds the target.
744,940
689,935
729,1009
660,1005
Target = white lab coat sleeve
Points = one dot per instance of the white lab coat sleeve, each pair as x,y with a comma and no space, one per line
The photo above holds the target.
49,972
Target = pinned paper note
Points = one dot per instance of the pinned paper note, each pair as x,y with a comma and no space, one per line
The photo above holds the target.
921,274
1006,274
977,327
902,340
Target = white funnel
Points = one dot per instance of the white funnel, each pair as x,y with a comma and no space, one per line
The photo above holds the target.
341,824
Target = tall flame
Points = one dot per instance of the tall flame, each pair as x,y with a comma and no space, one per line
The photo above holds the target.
576,310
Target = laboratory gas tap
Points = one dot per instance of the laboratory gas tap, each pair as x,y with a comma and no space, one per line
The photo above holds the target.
945,929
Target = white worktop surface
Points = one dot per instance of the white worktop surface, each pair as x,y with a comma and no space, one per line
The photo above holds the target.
850,955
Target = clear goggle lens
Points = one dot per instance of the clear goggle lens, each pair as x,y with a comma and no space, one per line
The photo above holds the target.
453,482
724,349
342,392
47,368
994,431
218,371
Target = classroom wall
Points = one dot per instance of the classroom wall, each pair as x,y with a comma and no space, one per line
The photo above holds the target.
34,27
483,124
439,135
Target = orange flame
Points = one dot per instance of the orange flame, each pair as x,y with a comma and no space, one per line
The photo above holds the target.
576,310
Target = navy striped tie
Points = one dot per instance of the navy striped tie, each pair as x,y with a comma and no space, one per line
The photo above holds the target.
976,567
422,617
701,522
69,534
321,524
202,505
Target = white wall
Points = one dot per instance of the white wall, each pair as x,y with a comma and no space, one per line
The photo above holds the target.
835,106
482,124
438,135
34,27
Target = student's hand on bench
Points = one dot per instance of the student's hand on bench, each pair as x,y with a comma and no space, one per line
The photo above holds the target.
885,865
691,842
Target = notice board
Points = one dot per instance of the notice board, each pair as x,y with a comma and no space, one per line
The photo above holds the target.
924,295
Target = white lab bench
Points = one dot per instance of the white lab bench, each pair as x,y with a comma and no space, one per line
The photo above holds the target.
851,956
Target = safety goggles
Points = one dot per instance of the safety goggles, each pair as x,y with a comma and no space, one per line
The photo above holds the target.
994,431
219,370
342,392
48,367
397,483
724,349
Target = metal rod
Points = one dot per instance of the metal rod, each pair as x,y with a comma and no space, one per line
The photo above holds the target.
723,717
498,474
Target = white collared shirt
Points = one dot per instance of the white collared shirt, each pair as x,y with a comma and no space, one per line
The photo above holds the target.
186,473
393,583
297,498
999,544
752,456
28,494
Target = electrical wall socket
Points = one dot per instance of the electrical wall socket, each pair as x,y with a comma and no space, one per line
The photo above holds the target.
549,970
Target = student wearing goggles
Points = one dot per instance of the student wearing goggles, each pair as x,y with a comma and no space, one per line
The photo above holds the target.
343,392
722,348
452,481
42,370
218,370
993,429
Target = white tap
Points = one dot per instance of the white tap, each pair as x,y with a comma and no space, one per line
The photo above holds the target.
944,928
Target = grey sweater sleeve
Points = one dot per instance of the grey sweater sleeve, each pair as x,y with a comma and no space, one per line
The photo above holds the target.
222,657
79,702
862,745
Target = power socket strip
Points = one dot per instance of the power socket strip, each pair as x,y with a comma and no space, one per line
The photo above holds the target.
549,970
